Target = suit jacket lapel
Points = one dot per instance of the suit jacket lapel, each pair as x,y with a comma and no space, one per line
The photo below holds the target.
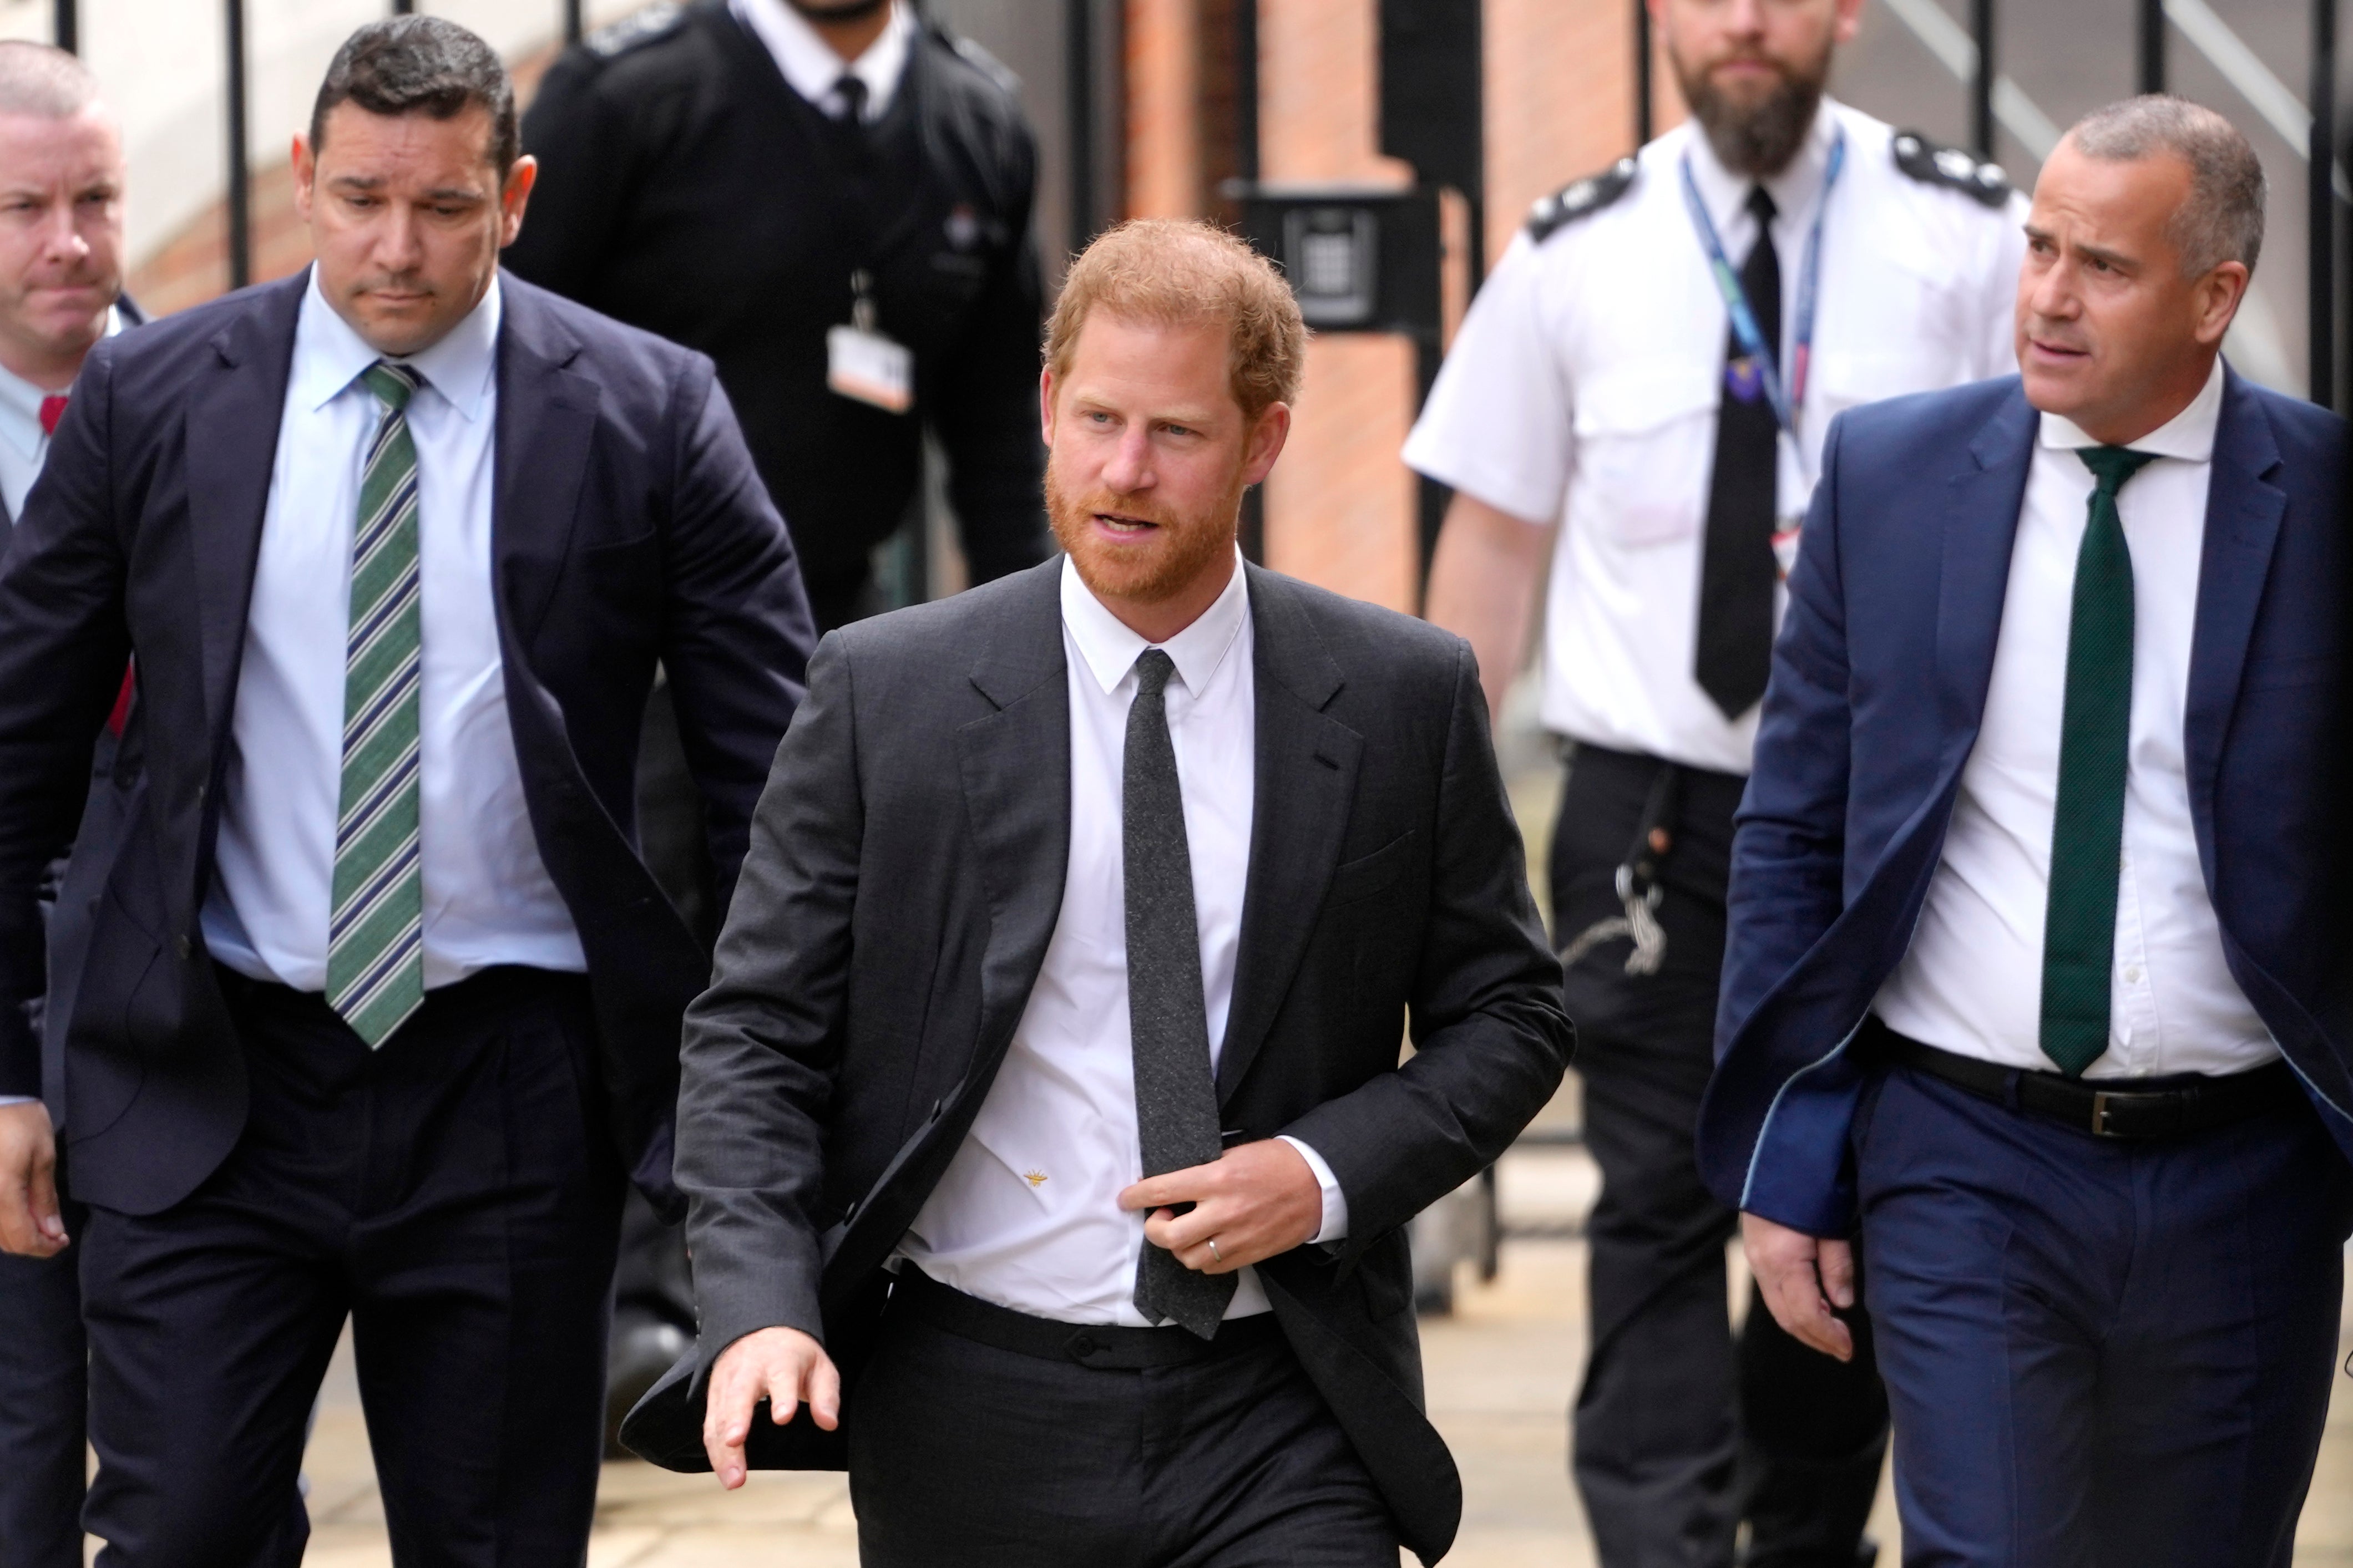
546,423
1980,531
234,412
1306,782
1015,767
2242,523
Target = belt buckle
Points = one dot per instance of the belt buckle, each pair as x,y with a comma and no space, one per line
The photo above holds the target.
2102,1100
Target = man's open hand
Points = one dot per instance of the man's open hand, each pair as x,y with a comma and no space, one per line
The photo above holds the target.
1803,1278
1255,1201
30,1225
783,1366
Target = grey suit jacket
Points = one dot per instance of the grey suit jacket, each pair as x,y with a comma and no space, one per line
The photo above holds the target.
904,877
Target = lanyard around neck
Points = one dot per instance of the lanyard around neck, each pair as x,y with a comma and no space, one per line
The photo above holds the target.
1787,398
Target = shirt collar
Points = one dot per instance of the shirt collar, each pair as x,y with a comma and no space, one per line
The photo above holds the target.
329,355
2189,435
1793,190
1110,645
809,64
20,401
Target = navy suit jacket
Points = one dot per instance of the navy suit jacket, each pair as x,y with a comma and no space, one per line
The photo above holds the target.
627,527
1879,683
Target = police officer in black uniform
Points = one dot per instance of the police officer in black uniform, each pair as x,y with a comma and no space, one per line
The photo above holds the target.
832,199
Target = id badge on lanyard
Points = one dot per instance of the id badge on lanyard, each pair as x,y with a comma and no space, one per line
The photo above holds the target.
1787,396
861,362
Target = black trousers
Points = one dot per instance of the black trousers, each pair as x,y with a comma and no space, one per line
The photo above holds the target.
455,1195
969,1453
1681,1434
43,1394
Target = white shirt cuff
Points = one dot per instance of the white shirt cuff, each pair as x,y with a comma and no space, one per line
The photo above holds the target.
1335,1202
8,1100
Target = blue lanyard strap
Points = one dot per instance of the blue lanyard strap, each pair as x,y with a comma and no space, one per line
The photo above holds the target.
1788,399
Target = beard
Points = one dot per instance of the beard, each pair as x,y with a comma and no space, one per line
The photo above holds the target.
1154,568
1757,138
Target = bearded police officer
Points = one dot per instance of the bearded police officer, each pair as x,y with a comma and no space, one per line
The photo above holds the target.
1643,387
830,198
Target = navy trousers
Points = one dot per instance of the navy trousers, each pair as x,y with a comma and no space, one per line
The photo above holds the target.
43,1363
453,1194
2099,1354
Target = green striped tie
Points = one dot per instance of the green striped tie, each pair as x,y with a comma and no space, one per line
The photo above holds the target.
2087,829
376,946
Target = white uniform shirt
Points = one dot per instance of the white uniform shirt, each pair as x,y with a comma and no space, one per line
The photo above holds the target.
488,898
1972,981
810,66
1028,1212
1583,389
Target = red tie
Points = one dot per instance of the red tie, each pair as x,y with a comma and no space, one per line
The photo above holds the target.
52,408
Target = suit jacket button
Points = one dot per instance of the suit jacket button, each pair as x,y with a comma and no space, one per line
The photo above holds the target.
182,947
1082,1344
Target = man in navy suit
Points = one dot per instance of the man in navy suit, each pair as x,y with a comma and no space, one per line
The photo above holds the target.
61,179
2035,966
380,1006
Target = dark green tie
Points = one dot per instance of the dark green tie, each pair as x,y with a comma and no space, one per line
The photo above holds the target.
2087,831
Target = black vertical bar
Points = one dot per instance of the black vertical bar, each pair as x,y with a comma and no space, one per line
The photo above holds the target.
2152,46
1642,85
68,26
403,7
240,206
1981,86
572,21
2320,171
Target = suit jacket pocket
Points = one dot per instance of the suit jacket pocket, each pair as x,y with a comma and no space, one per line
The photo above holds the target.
1370,874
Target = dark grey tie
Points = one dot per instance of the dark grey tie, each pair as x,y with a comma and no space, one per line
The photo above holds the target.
1175,1099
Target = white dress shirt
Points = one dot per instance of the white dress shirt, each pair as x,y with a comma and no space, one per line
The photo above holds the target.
810,66
1972,981
1582,390
488,898
24,444
1028,1214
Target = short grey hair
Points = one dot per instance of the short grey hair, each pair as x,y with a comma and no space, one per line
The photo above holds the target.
2224,218
45,82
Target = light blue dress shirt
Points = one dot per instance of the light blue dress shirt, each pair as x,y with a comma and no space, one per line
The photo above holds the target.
488,897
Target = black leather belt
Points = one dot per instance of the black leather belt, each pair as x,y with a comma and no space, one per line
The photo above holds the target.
1104,1346
2171,1107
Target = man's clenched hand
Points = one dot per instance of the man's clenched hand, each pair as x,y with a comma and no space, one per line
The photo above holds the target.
30,1225
1253,1202
783,1366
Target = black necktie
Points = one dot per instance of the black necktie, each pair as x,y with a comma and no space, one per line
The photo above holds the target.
852,92
1168,1022
1737,577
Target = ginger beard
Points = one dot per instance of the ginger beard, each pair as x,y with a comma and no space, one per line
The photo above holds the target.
1146,565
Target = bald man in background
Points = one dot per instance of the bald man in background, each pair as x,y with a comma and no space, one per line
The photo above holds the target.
61,178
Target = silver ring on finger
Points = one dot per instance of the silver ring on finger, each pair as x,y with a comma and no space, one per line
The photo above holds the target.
1214,1253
